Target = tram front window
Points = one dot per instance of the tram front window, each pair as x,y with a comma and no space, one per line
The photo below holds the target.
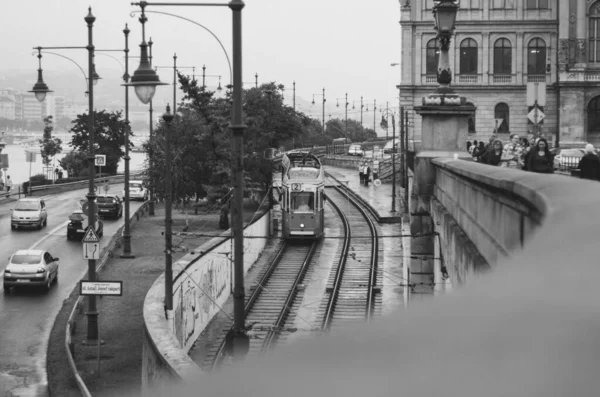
303,202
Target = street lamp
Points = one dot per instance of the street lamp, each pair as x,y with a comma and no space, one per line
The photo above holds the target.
240,338
346,106
444,13
204,76
168,118
175,70
40,89
313,102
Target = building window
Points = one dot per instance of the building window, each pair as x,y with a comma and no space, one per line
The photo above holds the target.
502,57
471,120
594,33
472,4
503,4
537,4
432,55
536,57
468,57
501,114
594,116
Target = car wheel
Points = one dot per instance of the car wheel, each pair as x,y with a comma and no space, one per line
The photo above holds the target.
56,278
48,285
6,289
40,225
45,222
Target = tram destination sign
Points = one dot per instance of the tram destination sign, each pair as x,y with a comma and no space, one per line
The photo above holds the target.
105,288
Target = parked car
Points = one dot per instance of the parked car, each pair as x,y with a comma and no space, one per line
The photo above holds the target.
567,158
109,205
29,212
29,268
78,226
137,191
356,150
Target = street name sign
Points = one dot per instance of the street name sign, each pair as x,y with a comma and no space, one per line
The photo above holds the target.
100,160
104,288
91,251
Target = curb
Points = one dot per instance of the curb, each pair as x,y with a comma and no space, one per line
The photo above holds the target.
108,252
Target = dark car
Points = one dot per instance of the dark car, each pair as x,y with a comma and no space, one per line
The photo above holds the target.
78,225
109,205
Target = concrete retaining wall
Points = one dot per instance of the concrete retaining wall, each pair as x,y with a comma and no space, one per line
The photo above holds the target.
485,214
202,284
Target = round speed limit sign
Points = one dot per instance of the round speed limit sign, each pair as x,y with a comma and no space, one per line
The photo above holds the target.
377,182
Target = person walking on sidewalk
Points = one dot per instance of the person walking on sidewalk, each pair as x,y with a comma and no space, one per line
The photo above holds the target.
366,174
589,165
9,185
361,166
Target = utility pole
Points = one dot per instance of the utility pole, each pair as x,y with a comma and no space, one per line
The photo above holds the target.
203,76
361,111
294,96
374,115
151,209
256,80
346,131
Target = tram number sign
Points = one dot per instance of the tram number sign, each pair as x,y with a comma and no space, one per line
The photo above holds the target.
296,186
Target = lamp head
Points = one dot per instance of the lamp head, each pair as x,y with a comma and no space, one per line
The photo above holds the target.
144,79
444,13
95,76
40,89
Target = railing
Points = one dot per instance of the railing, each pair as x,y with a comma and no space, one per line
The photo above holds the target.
503,78
591,76
536,78
429,78
42,190
468,78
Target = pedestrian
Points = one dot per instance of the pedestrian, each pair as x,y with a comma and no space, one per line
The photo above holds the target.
493,156
375,171
360,172
366,174
9,185
512,153
224,218
470,146
478,152
541,160
589,165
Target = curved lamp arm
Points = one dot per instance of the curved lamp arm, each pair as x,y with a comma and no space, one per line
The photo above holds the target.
98,52
80,68
203,27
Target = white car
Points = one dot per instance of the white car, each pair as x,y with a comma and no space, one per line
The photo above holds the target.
29,268
356,150
29,212
137,191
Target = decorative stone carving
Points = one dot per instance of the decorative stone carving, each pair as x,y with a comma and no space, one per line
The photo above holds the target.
581,46
572,19
563,51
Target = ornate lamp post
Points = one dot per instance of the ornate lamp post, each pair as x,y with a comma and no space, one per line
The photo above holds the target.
346,106
387,112
168,118
40,89
445,17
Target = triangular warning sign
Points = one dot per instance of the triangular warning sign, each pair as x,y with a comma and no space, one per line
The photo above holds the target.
90,236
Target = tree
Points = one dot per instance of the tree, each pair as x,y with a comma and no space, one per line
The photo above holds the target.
74,162
49,147
109,137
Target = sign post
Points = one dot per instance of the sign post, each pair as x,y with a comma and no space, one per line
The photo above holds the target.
30,158
100,161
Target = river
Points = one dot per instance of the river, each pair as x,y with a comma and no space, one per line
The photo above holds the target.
19,167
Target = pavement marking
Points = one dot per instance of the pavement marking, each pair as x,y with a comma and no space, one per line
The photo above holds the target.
51,232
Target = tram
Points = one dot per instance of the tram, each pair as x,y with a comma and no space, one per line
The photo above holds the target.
302,198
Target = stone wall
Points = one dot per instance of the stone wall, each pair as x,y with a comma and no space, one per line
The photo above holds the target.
202,285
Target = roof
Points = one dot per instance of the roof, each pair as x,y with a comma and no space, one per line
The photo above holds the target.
29,252
30,199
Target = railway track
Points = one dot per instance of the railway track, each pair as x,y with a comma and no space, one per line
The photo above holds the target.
353,287
268,306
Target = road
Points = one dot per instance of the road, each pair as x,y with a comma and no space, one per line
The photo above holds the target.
27,316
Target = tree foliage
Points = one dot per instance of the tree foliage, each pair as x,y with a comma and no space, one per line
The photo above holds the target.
49,147
74,162
109,137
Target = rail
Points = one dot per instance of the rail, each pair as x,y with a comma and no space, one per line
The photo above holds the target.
70,329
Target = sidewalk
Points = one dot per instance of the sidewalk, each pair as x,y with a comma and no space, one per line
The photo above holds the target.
379,197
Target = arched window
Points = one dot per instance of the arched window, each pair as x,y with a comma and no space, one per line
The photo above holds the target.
594,116
433,55
502,57
536,57
468,57
502,116
471,120
594,33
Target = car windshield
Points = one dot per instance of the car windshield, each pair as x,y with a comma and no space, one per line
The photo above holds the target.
354,147
27,206
26,259
135,185
106,199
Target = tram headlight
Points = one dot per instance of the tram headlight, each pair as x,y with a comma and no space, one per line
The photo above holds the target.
302,225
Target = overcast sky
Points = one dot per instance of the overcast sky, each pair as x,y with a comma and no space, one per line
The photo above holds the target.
345,46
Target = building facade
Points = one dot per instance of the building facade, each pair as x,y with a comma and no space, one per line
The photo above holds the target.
505,55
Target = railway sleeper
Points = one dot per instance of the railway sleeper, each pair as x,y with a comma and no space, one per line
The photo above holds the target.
376,289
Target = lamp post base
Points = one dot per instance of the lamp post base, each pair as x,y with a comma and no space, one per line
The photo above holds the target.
151,207
127,248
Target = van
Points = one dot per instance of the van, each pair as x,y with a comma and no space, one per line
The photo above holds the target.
389,147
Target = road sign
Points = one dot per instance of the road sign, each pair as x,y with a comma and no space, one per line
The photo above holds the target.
4,160
29,156
377,182
86,206
111,288
536,115
90,236
91,250
100,160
